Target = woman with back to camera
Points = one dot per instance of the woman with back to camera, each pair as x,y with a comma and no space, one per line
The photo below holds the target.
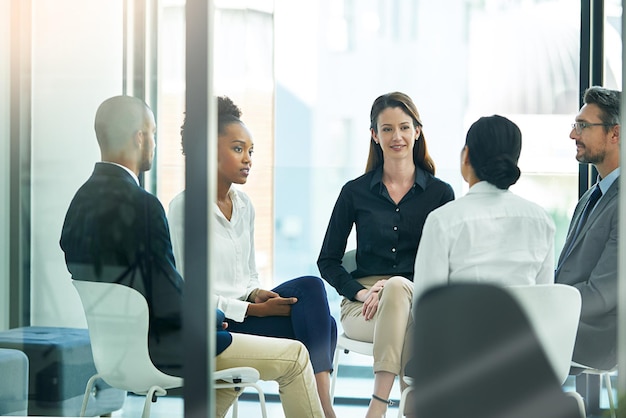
296,309
490,234
388,206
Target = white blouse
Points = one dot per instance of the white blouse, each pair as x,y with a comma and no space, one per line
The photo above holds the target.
488,235
233,273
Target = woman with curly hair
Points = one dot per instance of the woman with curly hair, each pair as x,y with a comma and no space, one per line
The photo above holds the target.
296,309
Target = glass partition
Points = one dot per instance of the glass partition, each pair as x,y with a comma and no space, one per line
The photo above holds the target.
305,74
76,64
5,152
458,60
244,71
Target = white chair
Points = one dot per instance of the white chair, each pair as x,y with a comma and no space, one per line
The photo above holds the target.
404,395
553,311
605,375
344,343
117,318
238,378
471,337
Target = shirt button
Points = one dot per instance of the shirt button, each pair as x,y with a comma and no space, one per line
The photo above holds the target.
395,228
393,250
397,209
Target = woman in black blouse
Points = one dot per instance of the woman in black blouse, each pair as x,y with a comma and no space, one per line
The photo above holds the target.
388,205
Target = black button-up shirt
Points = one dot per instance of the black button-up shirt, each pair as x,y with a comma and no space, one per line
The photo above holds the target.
387,233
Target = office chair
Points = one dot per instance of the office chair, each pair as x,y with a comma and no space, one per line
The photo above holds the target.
476,355
117,318
344,343
553,311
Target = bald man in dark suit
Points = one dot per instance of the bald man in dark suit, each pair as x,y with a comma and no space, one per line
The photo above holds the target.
115,231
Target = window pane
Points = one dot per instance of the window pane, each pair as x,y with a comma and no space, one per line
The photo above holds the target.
613,44
458,60
244,71
69,81
5,59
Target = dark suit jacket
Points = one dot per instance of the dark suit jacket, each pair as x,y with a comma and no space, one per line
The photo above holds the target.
115,231
591,267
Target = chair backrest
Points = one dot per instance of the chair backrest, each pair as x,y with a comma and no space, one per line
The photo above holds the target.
553,311
476,355
117,318
349,261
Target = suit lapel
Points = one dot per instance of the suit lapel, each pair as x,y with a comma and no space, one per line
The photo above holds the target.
605,201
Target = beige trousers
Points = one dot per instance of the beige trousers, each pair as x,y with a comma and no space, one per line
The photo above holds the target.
285,361
391,327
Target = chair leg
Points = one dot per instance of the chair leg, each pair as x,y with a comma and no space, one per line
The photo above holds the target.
609,392
403,397
88,388
151,396
236,407
579,401
261,399
333,382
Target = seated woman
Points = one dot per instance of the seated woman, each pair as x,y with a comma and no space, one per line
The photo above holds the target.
387,205
490,234
296,309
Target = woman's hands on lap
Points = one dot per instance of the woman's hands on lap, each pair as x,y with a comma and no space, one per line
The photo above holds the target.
268,303
369,297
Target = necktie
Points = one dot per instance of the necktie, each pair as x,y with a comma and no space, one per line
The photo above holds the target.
591,202
593,199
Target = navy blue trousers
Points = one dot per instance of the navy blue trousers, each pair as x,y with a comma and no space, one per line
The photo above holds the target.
310,321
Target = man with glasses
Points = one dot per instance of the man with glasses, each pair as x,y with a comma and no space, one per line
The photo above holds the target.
588,260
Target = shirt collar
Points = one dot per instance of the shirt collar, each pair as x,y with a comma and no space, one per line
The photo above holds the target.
234,197
484,187
608,181
232,193
133,175
420,177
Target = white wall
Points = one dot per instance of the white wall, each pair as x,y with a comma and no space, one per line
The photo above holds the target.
77,63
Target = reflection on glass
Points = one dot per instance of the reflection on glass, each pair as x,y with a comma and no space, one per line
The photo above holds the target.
304,73
244,71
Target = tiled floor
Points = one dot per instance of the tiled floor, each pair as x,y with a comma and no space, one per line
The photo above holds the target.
172,407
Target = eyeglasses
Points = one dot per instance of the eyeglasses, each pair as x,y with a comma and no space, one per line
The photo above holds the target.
579,126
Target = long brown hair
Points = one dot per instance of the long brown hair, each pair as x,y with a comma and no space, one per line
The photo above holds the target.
421,157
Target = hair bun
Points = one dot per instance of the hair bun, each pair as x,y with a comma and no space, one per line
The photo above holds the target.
501,171
227,108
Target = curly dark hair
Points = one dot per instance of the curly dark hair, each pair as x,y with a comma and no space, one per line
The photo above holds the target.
227,112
